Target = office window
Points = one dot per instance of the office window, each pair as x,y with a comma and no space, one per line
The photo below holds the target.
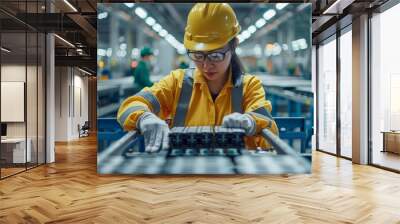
385,84
327,96
346,93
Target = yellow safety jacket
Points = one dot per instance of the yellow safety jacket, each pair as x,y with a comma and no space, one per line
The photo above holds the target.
163,98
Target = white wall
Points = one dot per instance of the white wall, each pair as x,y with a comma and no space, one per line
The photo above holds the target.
61,103
33,126
13,73
71,94
80,100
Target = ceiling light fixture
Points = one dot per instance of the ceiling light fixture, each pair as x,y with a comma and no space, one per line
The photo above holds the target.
335,7
5,49
141,12
129,5
160,30
261,22
84,71
280,6
65,41
150,21
163,33
157,27
70,5
102,15
252,29
269,14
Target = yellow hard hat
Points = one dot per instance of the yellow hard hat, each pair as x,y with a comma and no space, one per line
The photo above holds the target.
210,26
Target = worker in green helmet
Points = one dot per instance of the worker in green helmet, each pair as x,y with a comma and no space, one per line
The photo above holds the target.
142,71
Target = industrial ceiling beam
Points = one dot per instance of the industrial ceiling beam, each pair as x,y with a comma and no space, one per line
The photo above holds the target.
81,61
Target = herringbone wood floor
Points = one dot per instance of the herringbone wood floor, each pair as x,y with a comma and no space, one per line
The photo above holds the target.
70,191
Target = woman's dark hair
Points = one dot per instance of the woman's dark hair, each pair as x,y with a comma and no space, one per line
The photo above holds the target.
237,66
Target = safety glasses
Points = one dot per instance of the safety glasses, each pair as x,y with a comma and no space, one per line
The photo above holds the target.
199,56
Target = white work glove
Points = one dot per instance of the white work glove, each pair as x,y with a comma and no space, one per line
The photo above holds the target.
154,130
238,120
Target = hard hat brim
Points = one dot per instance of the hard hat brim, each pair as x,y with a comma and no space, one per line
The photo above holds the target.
198,46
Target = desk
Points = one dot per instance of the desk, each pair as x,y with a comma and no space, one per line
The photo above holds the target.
391,141
13,150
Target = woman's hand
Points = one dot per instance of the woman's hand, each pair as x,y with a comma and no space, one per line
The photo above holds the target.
155,132
238,120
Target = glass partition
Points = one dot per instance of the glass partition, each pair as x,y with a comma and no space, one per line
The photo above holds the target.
14,151
346,93
327,96
22,88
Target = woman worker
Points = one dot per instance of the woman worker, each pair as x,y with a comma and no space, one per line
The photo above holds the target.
216,92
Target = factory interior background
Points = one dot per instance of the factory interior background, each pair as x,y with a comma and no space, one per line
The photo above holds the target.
66,65
274,45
